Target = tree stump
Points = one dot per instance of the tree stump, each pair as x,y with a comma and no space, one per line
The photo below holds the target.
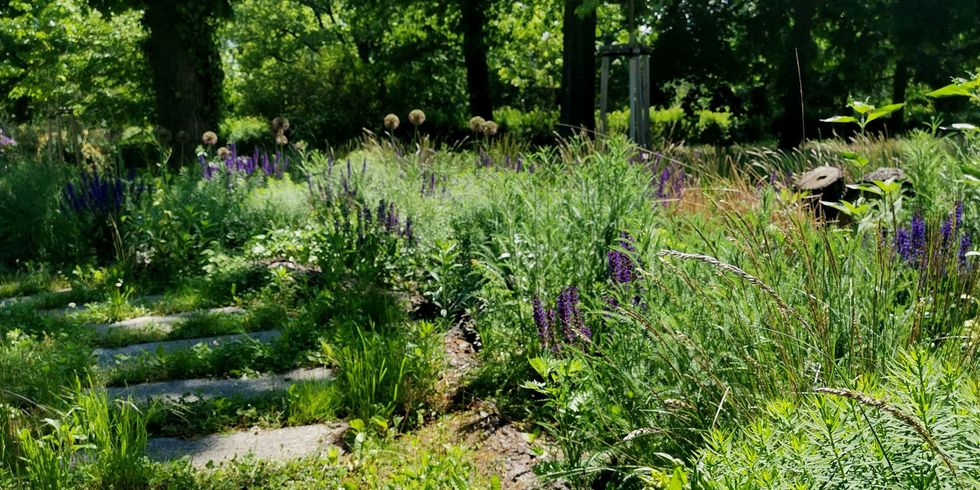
882,174
823,184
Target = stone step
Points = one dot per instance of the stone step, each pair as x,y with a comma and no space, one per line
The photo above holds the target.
143,301
107,357
264,444
164,323
191,390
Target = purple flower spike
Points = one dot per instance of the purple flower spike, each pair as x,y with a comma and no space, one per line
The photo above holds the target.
917,236
965,244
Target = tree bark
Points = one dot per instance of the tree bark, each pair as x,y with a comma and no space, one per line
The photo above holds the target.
578,70
473,21
899,88
799,53
185,65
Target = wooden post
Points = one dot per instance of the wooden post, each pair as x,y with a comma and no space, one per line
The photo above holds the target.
639,99
604,96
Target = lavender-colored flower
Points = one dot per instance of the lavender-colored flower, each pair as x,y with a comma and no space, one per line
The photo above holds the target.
409,233
917,235
903,244
541,321
946,231
965,244
958,212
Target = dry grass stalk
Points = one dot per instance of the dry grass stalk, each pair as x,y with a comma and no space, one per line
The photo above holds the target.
783,307
894,412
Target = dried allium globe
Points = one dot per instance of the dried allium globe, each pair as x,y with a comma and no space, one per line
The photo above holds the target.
416,117
280,125
392,122
209,138
489,128
476,124
223,152
163,135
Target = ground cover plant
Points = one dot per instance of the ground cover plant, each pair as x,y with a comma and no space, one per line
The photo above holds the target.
330,256
814,350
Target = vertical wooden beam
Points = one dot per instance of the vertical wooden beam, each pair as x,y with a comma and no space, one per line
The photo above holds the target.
639,99
604,96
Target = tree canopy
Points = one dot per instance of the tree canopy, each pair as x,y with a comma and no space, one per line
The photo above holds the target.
335,66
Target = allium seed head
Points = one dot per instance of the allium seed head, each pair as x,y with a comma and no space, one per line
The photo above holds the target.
416,117
476,124
209,138
392,122
280,124
489,128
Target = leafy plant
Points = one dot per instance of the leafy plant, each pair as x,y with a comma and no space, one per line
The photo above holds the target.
866,113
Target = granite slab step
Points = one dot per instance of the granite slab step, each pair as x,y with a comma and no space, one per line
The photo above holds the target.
164,323
191,390
107,357
264,444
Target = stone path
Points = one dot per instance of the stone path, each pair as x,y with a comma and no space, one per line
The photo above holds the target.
107,357
277,444
163,323
191,390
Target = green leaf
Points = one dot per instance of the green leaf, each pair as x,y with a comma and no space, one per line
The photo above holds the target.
840,119
952,90
861,107
540,366
838,206
884,111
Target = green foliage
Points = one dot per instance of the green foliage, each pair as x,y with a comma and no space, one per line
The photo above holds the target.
866,113
920,435
64,53
386,373
536,125
96,443
34,370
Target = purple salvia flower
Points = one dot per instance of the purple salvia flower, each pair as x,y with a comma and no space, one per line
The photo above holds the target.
959,214
917,235
965,244
903,244
946,230
541,321
409,234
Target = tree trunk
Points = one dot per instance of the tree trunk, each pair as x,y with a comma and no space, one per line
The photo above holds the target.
185,66
475,57
899,88
578,70
795,70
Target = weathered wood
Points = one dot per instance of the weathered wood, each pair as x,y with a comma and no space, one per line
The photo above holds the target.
824,184
881,174
885,173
